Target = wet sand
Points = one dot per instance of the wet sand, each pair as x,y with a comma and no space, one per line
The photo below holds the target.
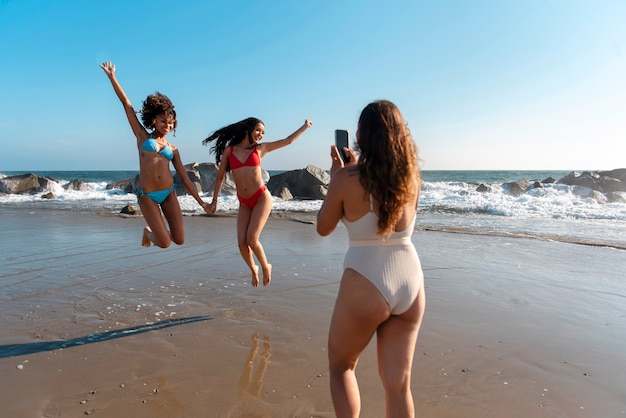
95,324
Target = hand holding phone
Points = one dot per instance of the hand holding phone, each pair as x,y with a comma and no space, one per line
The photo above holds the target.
342,140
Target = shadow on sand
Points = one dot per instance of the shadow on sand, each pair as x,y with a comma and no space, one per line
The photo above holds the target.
14,350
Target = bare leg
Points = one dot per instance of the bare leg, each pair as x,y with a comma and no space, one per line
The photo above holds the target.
359,310
250,223
257,220
396,339
174,216
255,276
243,217
267,275
156,231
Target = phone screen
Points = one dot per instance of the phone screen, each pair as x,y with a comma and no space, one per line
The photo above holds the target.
342,140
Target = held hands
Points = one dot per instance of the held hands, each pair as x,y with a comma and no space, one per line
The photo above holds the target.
108,67
212,207
207,207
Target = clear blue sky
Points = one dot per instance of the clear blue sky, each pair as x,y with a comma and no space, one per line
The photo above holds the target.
529,84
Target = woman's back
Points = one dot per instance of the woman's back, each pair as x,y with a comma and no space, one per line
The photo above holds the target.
357,202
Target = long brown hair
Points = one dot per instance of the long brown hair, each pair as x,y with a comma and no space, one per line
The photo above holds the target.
388,161
232,134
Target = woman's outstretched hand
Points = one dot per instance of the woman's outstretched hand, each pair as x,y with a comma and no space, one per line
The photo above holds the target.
108,67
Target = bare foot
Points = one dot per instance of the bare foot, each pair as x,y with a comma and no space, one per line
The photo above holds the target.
255,276
267,275
145,241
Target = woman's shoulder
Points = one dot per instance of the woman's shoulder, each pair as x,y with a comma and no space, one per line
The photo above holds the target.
347,174
172,146
346,179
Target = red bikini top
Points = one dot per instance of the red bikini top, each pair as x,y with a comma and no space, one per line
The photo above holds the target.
253,159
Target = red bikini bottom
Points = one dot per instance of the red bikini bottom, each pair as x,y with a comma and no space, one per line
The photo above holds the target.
252,200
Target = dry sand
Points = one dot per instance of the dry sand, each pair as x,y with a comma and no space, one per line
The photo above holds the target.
94,324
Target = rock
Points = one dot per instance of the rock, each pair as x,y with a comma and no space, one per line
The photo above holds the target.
584,179
602,181
128,186
194,177
48,195
25,183
308,183
483,188
616,197
597,196
321,191
207,172
75,184
130,210
283,193
610,184
618,173
548,180
516,188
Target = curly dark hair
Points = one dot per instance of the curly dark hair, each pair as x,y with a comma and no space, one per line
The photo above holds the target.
388,161
230,135
157,104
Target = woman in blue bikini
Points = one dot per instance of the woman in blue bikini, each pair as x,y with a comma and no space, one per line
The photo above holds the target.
382,286
155,191
237,149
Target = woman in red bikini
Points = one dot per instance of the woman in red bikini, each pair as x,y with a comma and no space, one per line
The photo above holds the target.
237,149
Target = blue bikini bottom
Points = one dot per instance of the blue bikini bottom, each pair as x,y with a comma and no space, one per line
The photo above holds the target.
158,196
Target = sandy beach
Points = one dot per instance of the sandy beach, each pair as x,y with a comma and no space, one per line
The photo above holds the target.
94,324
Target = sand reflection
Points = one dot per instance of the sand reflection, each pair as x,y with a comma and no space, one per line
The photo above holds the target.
253,372
249,403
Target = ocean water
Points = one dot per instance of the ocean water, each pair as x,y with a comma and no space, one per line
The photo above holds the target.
449,201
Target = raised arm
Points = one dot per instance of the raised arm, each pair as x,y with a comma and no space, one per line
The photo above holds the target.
265,147
140,132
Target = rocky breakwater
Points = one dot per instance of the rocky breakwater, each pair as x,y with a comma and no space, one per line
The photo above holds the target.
30,183
307,183
602,186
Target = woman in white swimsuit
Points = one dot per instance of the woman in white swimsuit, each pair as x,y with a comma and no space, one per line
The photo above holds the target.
382,287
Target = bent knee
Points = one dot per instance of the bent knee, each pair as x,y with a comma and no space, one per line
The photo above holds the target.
164,244
163,241
178,240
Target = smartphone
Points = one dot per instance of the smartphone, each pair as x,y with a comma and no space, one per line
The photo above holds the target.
342,140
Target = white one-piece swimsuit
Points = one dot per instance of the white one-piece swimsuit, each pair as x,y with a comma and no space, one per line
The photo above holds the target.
391,264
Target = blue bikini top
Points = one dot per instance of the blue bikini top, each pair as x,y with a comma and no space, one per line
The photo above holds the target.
151,144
